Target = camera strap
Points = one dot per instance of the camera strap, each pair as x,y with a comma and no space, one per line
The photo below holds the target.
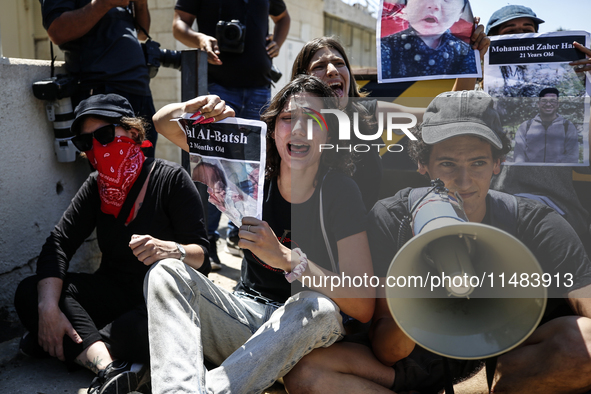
131,10
144,31
53,57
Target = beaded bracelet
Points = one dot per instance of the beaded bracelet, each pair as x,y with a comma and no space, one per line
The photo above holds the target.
299,269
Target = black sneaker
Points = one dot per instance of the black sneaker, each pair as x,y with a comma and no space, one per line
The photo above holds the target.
119,377
29,346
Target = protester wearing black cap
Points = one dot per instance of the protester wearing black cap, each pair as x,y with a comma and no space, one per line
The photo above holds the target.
461,142
143,210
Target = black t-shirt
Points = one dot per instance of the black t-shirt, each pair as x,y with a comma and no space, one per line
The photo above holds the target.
171,211
368,165
249,69
546,234
298,226
109,53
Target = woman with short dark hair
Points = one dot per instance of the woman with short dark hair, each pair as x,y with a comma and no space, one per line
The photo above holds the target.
143,210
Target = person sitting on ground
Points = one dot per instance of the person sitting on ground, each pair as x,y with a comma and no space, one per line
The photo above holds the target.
144,210
462,143
258,333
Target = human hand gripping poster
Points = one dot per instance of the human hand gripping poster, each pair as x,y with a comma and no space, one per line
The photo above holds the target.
419,41
543,103
229,156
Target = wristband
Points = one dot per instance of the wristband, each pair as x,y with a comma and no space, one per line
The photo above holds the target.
299,269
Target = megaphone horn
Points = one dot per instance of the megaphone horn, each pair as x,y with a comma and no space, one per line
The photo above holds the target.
460,309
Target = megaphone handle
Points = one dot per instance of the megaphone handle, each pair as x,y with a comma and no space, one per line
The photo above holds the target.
447,378
490,366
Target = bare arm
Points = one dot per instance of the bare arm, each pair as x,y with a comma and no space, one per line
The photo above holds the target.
53,324
389,343
182,31
210,106
282,23
480,41
142,18
580,301
74,24
353,256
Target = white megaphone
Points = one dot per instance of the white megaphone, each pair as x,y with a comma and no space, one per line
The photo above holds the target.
467,309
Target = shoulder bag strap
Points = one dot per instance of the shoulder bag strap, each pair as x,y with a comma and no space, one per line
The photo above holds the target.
135,191
323,227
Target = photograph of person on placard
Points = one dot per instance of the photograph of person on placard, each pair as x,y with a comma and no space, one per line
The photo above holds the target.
232,186
543,103
546,123
547,137
426,39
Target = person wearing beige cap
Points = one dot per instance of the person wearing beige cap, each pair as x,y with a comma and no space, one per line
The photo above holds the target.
462,143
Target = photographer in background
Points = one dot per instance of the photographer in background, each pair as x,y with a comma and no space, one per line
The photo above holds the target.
102,50
234,33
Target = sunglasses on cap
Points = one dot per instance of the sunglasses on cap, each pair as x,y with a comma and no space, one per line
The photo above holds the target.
104,135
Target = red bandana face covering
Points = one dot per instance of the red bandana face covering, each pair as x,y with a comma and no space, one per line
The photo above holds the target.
119,163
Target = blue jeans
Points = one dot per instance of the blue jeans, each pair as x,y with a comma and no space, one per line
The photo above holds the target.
248,103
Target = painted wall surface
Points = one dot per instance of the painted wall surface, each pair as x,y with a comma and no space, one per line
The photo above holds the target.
35,188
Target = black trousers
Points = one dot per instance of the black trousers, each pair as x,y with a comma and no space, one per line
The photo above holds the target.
99,309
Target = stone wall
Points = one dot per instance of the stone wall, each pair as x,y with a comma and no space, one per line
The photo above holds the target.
35,188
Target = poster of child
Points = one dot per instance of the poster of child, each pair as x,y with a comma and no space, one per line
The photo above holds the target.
226,156
232,186
425,39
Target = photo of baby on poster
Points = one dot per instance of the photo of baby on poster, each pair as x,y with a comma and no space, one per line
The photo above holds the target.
416,41
543,103
226,156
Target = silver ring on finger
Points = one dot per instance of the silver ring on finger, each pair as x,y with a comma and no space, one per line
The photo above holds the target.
581,66
248,228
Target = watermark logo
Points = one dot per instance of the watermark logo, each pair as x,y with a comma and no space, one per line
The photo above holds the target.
390,119
317,117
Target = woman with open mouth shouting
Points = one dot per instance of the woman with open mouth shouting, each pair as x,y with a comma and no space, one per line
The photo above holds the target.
325,58
312,237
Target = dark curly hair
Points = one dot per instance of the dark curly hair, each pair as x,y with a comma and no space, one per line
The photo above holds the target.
420,152
331,158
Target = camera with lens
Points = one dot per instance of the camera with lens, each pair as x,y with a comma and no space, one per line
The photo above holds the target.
156,57
230,36
57,92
